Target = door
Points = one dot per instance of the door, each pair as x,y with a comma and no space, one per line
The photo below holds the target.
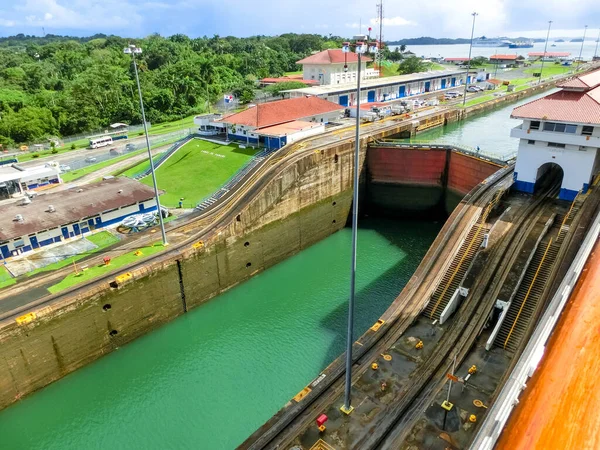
453,82
65,232
427,86
371,96
34,242
76,229
402,92
5,251
343,100
444,83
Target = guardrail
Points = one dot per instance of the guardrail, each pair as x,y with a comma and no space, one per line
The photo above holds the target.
176,146
403,143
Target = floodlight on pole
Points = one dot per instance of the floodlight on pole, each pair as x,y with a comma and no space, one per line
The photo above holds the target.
361,46
545,47
134,50
474,14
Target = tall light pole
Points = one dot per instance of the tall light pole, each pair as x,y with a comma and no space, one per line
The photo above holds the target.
581,49
545,47
134,50
596,49
474,14
360,48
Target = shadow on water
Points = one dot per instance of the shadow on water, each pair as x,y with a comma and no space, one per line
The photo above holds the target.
372,300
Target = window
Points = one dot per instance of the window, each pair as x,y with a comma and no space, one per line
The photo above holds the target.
559,127
587,130
531,142
554,144
535,125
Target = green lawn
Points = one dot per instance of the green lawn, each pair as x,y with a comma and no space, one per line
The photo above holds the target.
550,70
168,127
101,269
197,170
478,100
140,167
5,278
102,239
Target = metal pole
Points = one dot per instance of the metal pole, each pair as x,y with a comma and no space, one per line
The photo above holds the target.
469,61
347,396
596,49
545,47
160,217
581,49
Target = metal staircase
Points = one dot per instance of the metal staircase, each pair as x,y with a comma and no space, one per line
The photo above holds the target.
524,304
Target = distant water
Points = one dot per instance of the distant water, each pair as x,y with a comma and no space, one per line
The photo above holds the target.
490,131
462,50
211,377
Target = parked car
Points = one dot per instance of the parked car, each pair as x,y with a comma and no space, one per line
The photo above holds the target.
130,147
472,89
91,159
452,94
64,168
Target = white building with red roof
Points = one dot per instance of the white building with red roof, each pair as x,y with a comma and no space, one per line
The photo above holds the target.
561,129
327,67
274,124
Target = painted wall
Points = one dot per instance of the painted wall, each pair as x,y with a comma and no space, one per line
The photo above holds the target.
421,181
577,165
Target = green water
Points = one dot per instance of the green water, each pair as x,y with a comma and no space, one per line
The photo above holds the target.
210,378
490,131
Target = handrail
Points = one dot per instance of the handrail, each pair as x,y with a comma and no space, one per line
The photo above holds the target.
528,292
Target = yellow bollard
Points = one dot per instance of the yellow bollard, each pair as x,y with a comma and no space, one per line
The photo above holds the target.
419,345
374,366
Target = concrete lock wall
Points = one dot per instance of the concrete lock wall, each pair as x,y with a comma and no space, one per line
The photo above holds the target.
421,180
306,201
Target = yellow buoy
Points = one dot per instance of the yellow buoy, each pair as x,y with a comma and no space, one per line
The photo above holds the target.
472,418
374,366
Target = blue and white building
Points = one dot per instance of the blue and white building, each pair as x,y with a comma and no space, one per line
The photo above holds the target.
560,130
29,224
14,179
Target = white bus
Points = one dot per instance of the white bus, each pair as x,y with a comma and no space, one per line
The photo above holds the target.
101,142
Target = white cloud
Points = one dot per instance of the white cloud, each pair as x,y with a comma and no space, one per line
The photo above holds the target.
393,21
48,16
6,23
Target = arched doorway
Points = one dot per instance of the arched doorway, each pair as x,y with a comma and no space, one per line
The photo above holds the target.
549,174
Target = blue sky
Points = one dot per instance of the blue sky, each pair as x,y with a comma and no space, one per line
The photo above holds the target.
438,18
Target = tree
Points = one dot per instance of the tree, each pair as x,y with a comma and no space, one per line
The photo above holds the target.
479,61
277,88
411,64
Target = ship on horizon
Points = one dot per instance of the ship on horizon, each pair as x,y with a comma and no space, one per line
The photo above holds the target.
521,44
490,42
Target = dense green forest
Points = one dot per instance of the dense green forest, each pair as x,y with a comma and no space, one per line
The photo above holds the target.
59,86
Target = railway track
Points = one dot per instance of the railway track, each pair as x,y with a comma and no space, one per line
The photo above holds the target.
281,430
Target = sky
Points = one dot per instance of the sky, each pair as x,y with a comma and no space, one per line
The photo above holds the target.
403,19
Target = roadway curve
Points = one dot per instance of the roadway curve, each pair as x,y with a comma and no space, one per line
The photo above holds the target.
559,407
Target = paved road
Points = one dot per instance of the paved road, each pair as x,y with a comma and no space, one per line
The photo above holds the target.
559,408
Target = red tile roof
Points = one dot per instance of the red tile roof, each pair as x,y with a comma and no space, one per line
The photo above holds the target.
550,54
456,59
291,78
587,81
289,128
563,106
503,57
282,111
334,56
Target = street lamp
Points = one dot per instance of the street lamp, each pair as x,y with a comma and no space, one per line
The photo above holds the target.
469,61
596,49
582,42
545,47
361,46
134,50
